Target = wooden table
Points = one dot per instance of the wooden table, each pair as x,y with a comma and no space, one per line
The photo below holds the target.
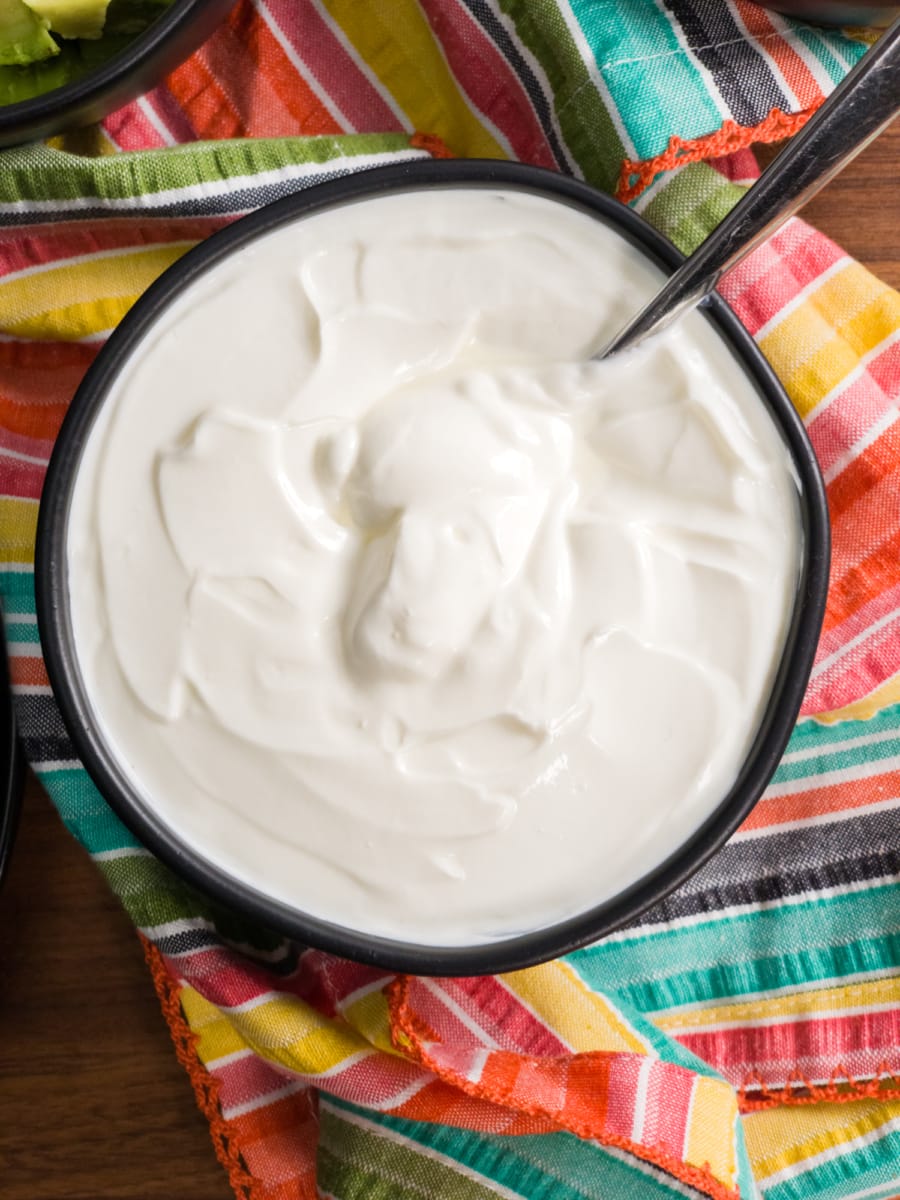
93,1105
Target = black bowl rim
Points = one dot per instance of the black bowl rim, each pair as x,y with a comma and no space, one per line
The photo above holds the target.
54,617
169,39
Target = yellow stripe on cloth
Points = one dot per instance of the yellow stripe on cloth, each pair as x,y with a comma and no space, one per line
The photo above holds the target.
283,1030
287,1031
18,520
562,1000
710,1136
396,43
822,1002
370,1016
82,297
868,706
802,1131
216,1036
818,344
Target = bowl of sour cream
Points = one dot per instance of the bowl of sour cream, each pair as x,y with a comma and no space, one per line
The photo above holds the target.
383,612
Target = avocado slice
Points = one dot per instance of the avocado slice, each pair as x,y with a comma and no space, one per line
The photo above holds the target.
72,18
24,36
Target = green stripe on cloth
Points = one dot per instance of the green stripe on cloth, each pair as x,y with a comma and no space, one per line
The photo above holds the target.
588,129
690,204
557,1166
39,173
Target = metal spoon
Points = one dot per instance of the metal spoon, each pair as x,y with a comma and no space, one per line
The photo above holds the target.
857,110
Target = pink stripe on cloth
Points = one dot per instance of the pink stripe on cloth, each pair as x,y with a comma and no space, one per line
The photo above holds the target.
842,420
864,1043
130,128
247,1079
328,59
777,272
505,1017
858,670
22,479
34,447
489,81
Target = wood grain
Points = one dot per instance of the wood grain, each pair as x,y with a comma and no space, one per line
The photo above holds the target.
93,1105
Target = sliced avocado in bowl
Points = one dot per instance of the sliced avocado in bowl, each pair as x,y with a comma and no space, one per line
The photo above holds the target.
45,44
24,36
72,18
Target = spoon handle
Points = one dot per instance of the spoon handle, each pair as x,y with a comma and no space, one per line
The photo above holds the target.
857,110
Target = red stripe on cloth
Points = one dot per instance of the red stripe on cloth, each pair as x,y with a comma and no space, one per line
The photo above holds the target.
624,1073
171,113
740,165
28,672
22,479
327,982
879,606
775,274
248,1079
667,1111
856,408
800,79
860,1043
73,240
865,474
489,81
37,381
330,61
819,802
858,671
278,1145
504,1016
258,92
203,100
131,129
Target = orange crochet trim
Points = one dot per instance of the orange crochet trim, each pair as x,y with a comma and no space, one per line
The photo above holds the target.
840,1089
409,1035
206,1088
431,143
636,176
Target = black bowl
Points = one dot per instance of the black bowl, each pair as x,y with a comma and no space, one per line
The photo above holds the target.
172,38
62,664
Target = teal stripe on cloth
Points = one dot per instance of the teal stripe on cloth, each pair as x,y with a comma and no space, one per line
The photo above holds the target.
835,53
17,589
838,759
84,811
867,1169
556,1166
647,73
730,955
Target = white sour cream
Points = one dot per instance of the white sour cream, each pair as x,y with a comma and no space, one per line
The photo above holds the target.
399,608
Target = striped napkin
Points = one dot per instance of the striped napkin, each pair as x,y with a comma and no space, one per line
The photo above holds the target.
744,1036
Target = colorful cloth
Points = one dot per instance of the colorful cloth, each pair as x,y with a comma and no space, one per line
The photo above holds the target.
745,1033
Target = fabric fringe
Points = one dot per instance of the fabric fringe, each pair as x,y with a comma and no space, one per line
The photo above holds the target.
206,1087
636,176
840,1089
